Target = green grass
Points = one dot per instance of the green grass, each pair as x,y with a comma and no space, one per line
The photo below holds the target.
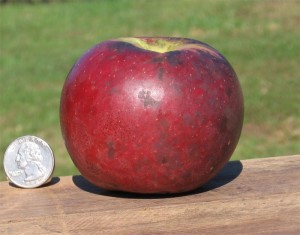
40,42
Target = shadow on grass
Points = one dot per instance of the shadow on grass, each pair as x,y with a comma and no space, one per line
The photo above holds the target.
231,171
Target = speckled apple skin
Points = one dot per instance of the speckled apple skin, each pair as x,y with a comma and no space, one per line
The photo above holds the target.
140,121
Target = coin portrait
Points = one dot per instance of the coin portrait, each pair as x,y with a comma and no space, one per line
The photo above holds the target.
29,158
28,162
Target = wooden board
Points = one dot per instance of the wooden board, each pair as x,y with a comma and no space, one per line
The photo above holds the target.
260,196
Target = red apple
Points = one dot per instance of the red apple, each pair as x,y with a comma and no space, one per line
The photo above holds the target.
151,115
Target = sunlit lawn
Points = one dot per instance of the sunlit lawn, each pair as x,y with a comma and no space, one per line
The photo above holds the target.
40,42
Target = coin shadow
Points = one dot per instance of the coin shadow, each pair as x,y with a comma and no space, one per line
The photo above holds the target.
53,181
230,172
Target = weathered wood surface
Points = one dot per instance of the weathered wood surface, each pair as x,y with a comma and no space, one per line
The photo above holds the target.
260,196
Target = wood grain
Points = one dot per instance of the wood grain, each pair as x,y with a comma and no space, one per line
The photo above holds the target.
260,196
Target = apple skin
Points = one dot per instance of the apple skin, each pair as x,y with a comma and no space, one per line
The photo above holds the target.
141,121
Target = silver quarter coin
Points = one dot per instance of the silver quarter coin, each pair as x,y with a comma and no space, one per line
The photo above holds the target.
28,162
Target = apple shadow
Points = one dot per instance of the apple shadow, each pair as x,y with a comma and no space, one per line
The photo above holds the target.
229,172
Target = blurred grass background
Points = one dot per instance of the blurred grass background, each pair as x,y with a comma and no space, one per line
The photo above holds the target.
39,43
